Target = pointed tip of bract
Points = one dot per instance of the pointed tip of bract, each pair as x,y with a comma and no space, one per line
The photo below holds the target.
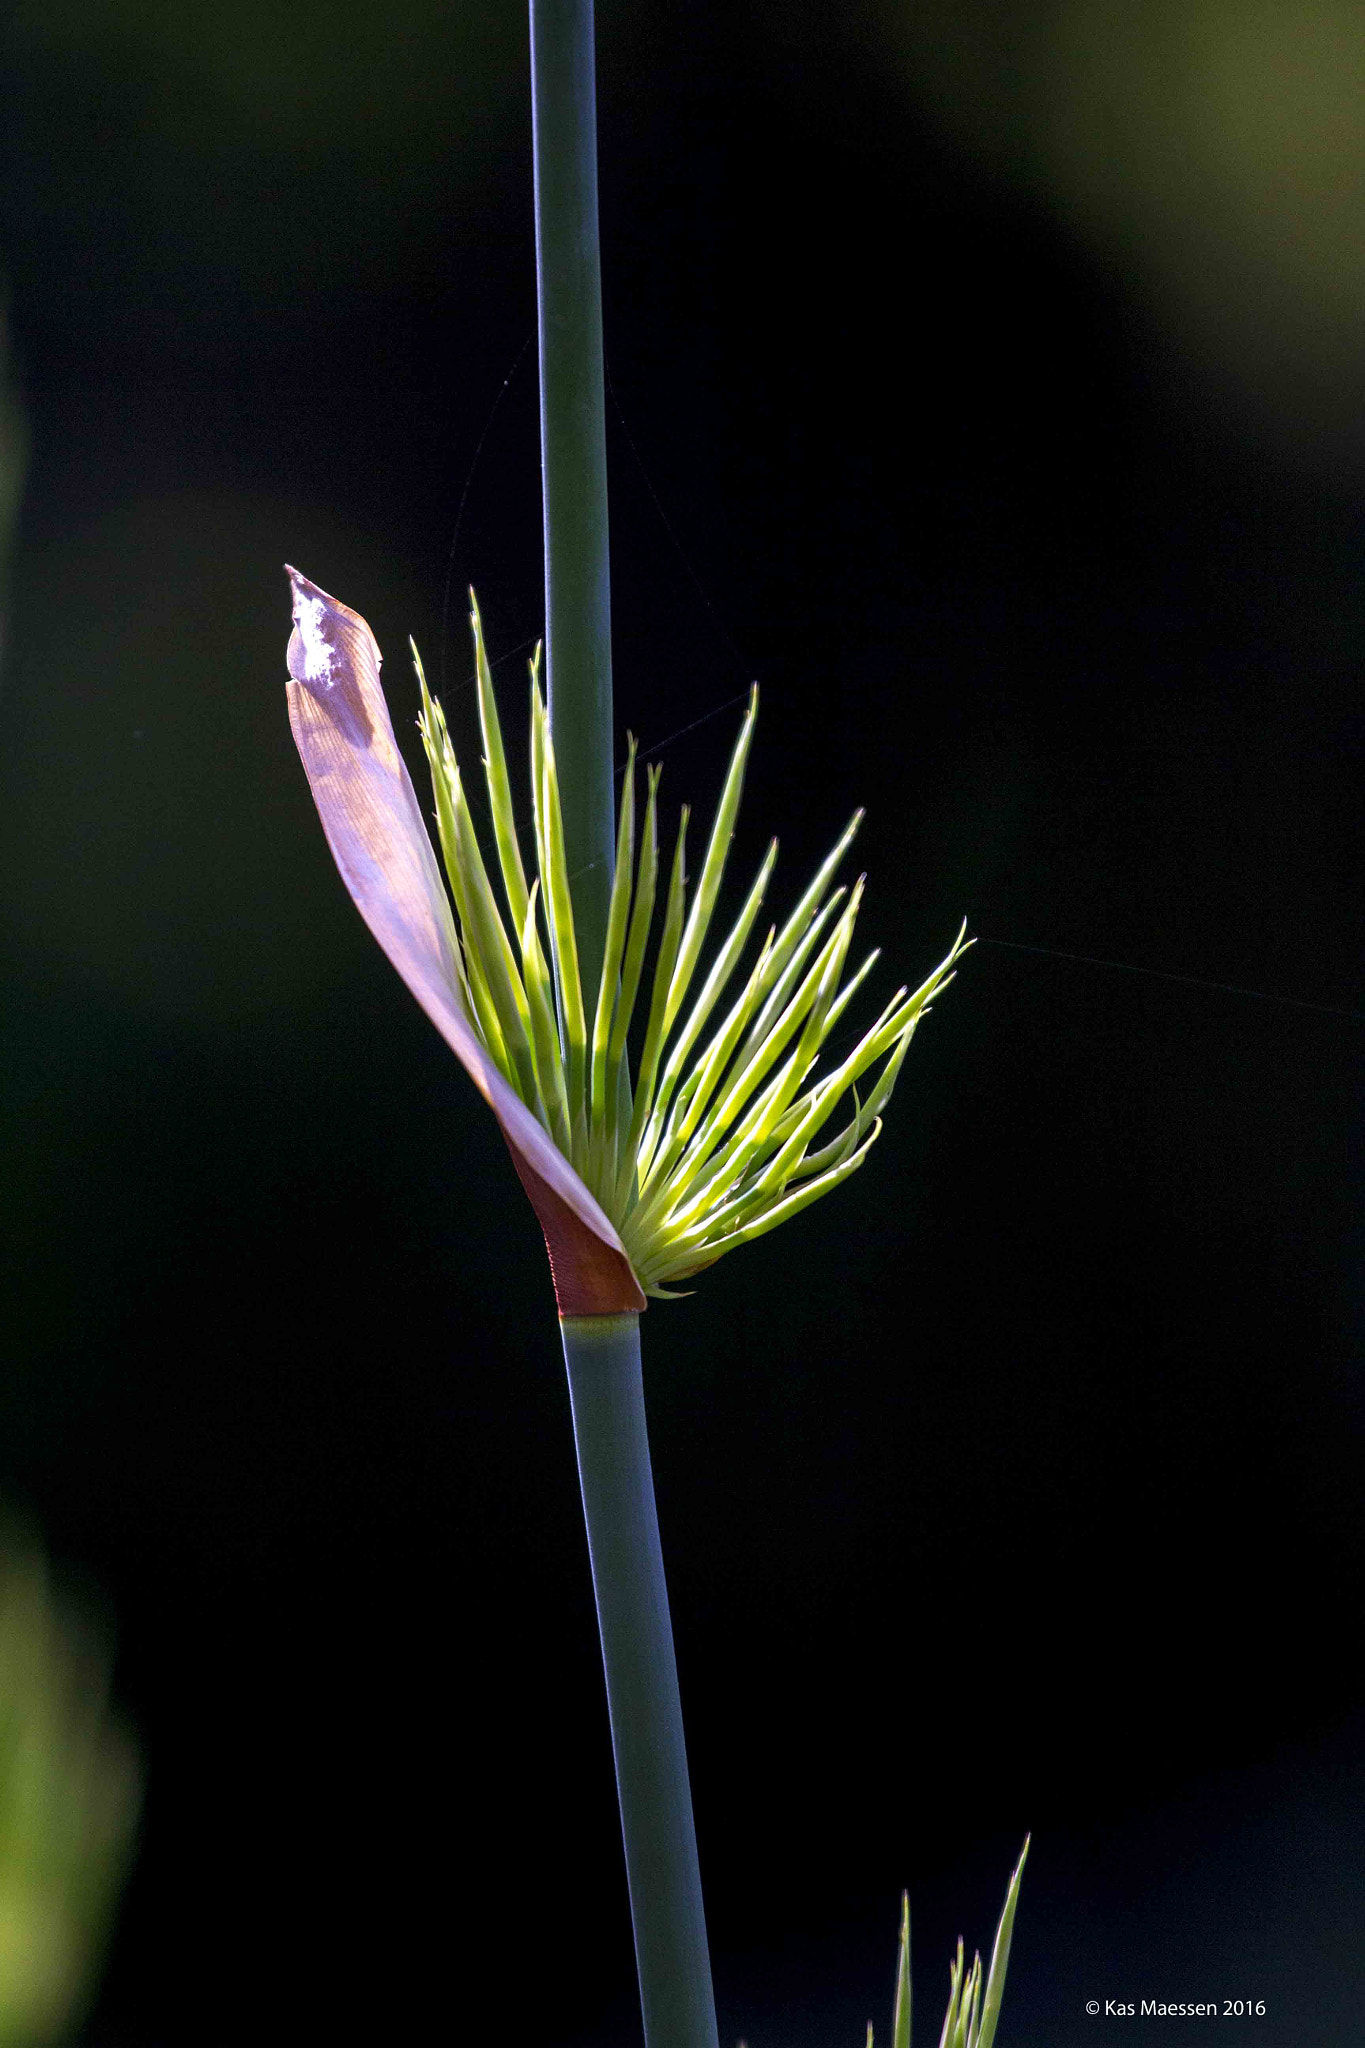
314,657
306,590
301,590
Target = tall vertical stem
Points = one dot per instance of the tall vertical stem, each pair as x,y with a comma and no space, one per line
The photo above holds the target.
602,1354
574,455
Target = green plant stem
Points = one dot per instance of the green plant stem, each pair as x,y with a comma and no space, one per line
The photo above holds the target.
602,1354
574,455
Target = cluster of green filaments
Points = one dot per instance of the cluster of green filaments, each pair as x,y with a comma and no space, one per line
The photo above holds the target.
974,1997
711,1141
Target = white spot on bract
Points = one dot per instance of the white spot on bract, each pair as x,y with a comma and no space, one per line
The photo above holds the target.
319,658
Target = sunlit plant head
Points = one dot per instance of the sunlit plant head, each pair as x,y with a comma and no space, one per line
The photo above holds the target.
711,1138
717,1129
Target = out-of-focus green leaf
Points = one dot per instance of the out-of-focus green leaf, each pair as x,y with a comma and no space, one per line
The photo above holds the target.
70,1791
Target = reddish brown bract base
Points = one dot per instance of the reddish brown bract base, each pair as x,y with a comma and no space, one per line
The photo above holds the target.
590,1278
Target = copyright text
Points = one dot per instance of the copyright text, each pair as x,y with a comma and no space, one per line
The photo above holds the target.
1175,2008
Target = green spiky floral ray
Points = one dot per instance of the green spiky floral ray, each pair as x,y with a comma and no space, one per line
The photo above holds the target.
712,1141
973,2002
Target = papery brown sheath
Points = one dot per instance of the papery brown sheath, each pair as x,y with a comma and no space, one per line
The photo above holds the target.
374,826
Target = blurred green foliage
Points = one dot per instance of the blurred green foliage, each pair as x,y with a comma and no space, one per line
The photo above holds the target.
1214,148
70,1779
164,167
70,1784
347,57
13,457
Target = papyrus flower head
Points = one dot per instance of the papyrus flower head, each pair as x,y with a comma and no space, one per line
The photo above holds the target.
641,1173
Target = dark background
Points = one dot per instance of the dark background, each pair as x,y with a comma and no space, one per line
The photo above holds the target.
997,404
